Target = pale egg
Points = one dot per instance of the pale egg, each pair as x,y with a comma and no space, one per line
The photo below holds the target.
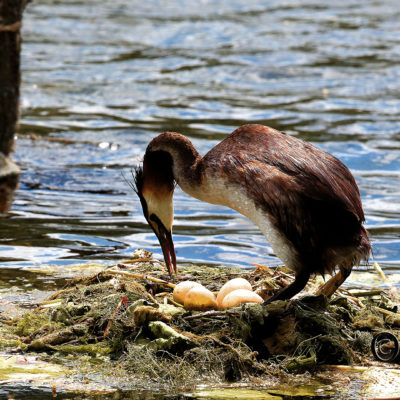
230,286
240,296
201,299
181,289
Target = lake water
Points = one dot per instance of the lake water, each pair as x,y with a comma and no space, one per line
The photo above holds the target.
108,76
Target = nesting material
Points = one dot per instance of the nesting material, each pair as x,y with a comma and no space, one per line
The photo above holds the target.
182,288
200,299
230,286
240,296
210,347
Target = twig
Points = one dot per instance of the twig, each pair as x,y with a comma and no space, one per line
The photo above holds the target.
382,275
55,295
123,301
152,299
369,293
162,294
386,312
174,303
211,313
393,291
140,276
49,303
9,322
135,260
263,268
355,300
350,368
383,398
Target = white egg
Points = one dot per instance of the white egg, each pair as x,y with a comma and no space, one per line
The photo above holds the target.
181,289
230,286
201,299
240,296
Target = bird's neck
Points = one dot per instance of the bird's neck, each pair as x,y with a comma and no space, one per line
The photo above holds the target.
185,158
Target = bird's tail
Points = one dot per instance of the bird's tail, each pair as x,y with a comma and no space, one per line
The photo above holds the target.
361,253
364,248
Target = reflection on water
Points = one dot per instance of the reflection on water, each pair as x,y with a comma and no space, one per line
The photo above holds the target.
109,76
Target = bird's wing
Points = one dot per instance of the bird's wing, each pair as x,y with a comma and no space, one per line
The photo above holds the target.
274,159
311,195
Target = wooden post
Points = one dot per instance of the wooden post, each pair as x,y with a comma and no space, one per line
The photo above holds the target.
10,45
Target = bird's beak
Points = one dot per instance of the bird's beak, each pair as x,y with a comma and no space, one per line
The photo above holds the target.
167,245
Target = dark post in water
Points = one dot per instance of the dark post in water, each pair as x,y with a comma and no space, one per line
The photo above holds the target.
10,45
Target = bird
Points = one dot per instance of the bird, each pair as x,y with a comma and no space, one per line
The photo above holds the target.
304,200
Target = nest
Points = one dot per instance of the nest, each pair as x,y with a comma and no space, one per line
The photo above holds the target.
126,316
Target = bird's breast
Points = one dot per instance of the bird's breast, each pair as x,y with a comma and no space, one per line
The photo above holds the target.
217,190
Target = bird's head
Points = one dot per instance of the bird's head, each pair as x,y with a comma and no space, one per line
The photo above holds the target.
154,184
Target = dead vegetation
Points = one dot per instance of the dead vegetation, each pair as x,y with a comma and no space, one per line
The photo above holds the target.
126,317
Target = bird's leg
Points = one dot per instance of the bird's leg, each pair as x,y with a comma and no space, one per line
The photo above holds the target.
334,282
295,287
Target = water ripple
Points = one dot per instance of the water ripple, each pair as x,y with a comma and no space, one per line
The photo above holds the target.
100,80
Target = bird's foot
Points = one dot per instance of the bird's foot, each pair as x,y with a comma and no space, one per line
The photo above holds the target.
330,287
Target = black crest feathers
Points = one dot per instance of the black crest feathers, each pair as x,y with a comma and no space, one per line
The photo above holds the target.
137,182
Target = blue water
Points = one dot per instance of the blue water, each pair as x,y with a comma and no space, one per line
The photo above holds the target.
108,76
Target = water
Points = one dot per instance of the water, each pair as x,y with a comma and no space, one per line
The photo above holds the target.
108,76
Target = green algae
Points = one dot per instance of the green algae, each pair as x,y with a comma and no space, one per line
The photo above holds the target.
31,323
308,390
18,368
94,350
9,343
231,394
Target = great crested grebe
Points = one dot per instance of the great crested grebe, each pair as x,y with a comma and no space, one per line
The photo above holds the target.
304,200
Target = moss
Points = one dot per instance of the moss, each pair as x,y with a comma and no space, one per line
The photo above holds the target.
301,364
147,364
33,322
96,349
61,314
393,320
284,340
240,329
12,343
343,309
368,320
193,366
313,323
144,314
362,342
333,350
171,310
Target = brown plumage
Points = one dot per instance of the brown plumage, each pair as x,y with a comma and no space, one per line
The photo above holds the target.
305,201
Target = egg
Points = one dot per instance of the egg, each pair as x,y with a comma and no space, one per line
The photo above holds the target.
240,296
181,289
233,284
200,299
